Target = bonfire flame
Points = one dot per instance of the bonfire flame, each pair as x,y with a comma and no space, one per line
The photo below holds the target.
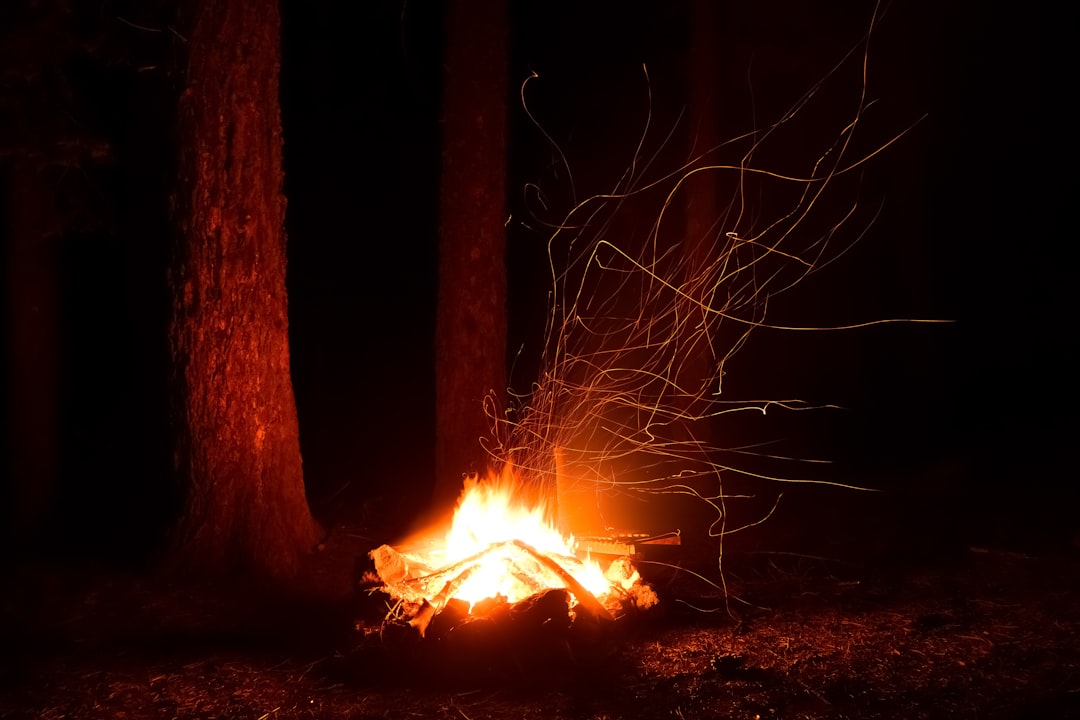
503,544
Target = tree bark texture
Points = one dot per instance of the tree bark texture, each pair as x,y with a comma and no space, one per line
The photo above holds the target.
471,317
237,447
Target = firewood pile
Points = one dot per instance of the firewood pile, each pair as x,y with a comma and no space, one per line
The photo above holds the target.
550,620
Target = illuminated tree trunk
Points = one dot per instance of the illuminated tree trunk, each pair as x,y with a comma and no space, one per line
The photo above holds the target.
471,319
237,449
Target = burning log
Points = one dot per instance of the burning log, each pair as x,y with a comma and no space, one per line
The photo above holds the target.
515,598
428,609
558,624
393,569
585,598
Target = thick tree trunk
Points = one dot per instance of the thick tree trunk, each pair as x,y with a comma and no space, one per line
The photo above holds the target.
237,441
471,319
34,376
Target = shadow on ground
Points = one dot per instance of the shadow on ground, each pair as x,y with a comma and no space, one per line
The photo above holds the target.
982,632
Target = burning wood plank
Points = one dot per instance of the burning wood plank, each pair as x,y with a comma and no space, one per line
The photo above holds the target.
520,586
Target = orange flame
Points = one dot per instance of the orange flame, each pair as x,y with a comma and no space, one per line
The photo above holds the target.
491,514
501,542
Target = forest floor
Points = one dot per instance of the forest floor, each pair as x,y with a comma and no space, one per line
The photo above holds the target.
979,632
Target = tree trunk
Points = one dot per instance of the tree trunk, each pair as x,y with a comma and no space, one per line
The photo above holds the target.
704,223
34,375
237,447
471,319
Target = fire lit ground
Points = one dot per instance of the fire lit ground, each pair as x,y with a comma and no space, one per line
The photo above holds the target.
949,591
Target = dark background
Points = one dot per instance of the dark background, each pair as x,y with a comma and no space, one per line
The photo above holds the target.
966,426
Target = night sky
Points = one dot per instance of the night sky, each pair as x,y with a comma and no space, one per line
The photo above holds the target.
973,417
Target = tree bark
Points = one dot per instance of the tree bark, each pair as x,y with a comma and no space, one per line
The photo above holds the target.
471,317
34,374
237,446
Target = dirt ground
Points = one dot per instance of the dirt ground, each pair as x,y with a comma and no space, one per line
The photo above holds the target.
981,632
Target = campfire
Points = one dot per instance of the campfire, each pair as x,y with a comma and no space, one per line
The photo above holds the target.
503,567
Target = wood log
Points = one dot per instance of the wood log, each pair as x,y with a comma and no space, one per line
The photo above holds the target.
585,598
428,609
447,620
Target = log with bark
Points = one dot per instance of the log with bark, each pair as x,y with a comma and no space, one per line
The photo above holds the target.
560,625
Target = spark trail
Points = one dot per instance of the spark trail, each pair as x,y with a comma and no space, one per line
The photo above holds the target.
642,321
